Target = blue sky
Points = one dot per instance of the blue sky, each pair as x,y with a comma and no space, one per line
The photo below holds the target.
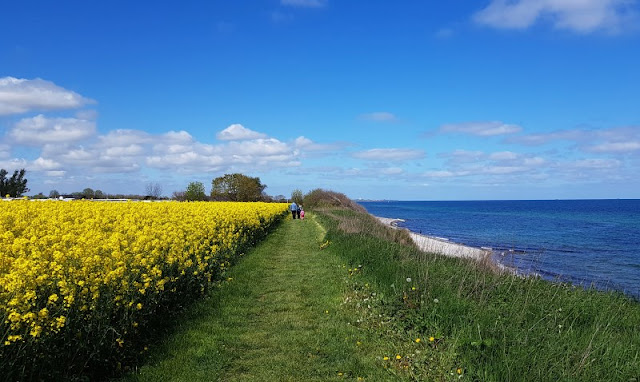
411,100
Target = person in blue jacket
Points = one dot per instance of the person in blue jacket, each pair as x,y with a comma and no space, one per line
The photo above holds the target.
294,209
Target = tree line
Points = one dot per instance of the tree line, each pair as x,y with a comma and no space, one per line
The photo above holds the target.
234,187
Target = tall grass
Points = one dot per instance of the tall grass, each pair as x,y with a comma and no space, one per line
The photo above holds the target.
499,327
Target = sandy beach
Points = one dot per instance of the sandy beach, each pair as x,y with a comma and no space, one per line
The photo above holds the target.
440,246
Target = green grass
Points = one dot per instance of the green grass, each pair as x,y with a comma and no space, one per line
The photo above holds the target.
347,300
494,327
280,317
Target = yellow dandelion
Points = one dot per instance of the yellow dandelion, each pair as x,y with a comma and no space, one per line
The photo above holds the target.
459,370
398,356
417,340
431,339
385,358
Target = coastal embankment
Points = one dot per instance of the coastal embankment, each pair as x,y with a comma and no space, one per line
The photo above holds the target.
440,246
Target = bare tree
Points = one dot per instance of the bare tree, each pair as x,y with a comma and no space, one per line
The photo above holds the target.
154,190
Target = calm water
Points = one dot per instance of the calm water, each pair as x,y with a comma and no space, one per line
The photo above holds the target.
580,241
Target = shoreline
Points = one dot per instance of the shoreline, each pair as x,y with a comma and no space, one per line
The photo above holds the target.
444,247
438,245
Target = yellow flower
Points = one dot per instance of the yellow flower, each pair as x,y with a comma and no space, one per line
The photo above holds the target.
417,340
385,358
431,339
459,370
398,356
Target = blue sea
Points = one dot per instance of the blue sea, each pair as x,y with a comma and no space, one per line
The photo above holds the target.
586,242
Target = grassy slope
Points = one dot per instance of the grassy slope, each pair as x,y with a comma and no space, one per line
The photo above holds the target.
280,317
496,328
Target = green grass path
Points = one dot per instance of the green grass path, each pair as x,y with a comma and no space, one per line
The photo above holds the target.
279,318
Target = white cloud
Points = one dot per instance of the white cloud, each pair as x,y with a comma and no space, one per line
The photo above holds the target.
55,173
5,151
503,170
379,116
615,147
41,130
596,163
306,145
503,156
19,95
305,3
482,129
122,137
391,171
618,140
394,155
237,132
440,174
581,16
42,164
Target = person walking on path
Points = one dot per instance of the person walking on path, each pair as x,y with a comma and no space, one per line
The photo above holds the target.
298,210
294,209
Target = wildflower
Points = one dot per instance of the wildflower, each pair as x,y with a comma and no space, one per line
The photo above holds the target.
408,279
459,371
120,342
431,339
385,358
417,340
398,356
436,300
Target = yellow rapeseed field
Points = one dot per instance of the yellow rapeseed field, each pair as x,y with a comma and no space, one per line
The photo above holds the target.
97,271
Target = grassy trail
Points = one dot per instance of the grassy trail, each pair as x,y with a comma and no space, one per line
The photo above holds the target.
278,318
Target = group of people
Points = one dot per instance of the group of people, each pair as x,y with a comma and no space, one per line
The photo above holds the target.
296,211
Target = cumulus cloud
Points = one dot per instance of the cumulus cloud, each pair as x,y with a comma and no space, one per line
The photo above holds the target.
40,130
379,116
482,129
237,132
19,95
42,164
393,155
305,3
581,16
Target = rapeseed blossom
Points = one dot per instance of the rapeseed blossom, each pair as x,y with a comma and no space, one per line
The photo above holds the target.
75,263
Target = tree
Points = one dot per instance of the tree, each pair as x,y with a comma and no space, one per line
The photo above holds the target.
14,186
54,194
195,191
237,188
88,193
179,196
154,190
99,195
297,196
